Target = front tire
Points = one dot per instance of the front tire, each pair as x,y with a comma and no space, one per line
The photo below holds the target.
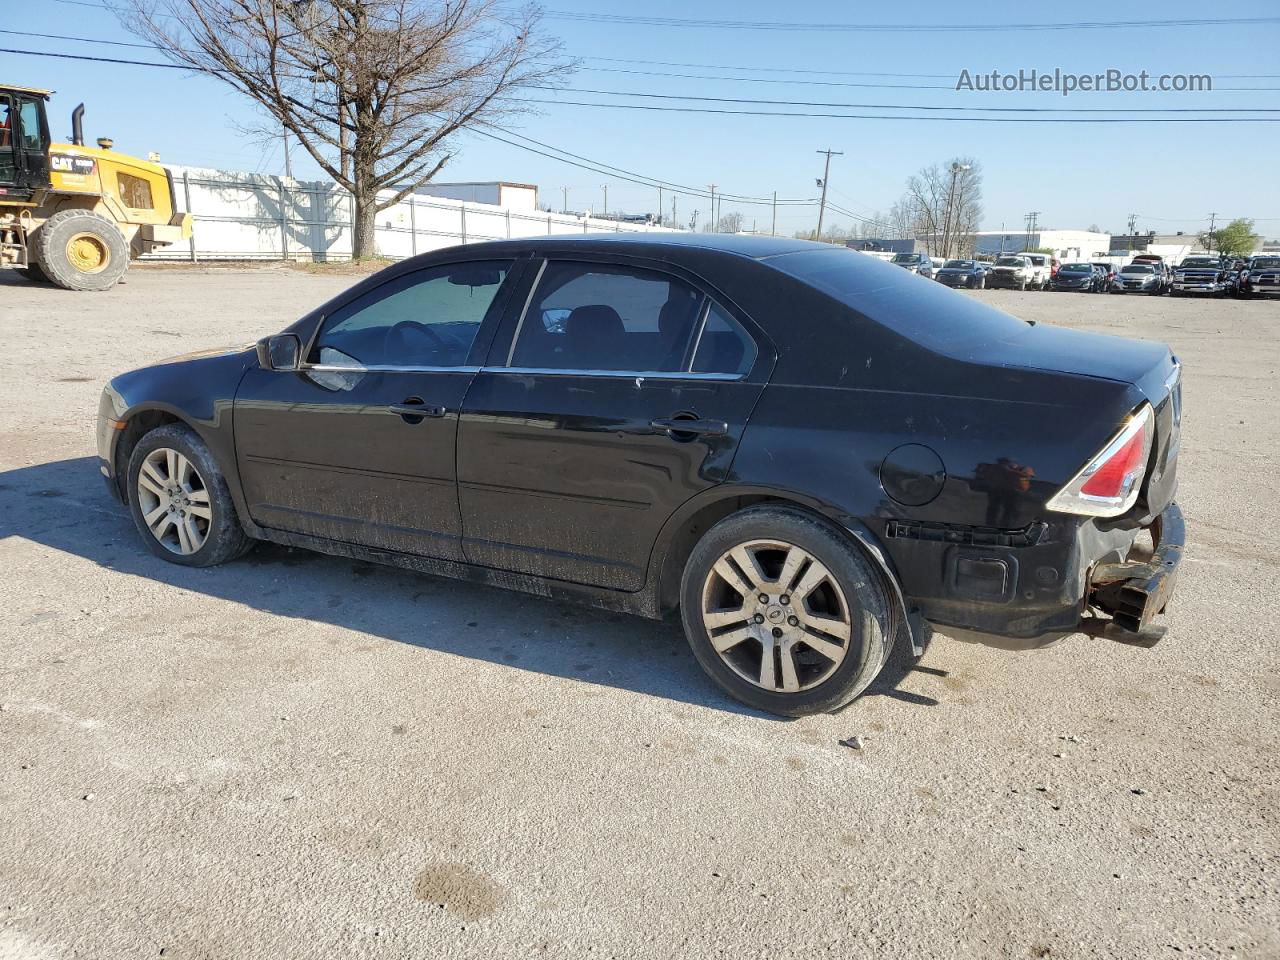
784,612
180,501
82,250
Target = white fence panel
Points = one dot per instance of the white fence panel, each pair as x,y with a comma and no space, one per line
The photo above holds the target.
240,216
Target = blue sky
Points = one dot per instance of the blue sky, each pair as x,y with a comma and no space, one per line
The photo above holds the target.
1171,174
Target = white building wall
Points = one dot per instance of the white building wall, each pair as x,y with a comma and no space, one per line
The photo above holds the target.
248,216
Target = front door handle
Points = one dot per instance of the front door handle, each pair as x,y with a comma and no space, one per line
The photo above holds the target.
414,410
679,425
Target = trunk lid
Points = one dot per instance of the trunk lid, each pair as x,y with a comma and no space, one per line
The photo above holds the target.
1149,366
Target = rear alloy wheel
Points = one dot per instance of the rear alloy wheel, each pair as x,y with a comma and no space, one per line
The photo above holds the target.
784,612
180,501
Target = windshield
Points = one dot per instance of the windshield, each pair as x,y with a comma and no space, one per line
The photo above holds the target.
939,318
1136,268
1268,262
1199,262
1010,262
1076,268
905,258
959,264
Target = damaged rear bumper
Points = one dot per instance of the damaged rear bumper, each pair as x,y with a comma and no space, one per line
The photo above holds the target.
1133,593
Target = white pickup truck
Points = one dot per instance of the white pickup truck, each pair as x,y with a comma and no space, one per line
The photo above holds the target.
1040,271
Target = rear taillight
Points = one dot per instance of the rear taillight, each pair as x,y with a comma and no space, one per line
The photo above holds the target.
1110,482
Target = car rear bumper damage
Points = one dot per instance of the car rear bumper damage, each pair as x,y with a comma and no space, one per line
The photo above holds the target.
1023,589
1133,593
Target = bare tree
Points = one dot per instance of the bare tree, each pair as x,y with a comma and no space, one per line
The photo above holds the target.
730,223
374,90
945,214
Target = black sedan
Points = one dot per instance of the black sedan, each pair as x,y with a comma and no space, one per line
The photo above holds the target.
963,273
1079,276
811,455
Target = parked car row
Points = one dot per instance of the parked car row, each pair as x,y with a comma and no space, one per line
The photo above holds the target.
1148,273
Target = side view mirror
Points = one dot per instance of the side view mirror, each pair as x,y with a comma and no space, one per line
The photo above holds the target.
280,352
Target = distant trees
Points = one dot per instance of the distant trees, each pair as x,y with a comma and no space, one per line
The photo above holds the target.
374,90
1236,239
943,206
730,223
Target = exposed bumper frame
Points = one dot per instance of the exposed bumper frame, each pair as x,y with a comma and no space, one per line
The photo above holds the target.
1134,593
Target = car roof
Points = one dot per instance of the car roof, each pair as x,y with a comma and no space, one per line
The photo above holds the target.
753,246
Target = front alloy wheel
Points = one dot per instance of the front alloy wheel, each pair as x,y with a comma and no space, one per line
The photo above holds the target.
776,616
174,501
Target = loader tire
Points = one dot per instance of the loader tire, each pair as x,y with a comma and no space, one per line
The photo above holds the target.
80,250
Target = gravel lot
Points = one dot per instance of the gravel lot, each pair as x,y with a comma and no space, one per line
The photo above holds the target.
297,756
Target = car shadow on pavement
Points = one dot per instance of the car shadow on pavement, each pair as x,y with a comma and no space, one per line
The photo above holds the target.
464,619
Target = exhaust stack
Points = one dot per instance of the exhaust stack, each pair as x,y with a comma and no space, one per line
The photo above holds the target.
77,126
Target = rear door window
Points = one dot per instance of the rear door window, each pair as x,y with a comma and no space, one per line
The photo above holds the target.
723,346
587,316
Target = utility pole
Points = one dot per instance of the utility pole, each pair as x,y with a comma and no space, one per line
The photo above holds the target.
1002,238
1213,217
605,215
565,191
1031,228
956,168
712,221
659,206
826,175
773,228
674,221
288,166
1133,225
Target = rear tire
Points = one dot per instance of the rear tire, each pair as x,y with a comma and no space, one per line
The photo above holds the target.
82,250
180,501
818,639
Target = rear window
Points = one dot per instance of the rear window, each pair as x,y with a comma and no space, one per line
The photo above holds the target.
928,313
1076,268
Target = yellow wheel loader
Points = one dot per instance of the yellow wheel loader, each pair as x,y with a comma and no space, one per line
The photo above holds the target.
71,214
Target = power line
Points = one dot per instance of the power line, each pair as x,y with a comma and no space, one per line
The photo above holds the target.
717,66
873,116
593,166
847,73
61,36
806,83
877,86
986,26
909,106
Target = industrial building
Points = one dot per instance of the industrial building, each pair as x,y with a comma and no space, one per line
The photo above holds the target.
1065,244
514,196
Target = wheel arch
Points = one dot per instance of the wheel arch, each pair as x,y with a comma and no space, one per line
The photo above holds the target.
138,422
686,526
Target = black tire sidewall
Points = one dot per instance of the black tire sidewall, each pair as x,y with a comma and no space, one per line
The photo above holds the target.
52,240
226,539
861,582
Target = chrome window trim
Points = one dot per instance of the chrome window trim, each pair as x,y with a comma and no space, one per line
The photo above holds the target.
619,374
332,368
528,301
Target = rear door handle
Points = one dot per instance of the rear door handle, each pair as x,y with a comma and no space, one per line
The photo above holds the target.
706,428
414,410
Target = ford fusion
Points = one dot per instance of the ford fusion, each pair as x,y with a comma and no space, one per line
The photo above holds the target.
807,455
